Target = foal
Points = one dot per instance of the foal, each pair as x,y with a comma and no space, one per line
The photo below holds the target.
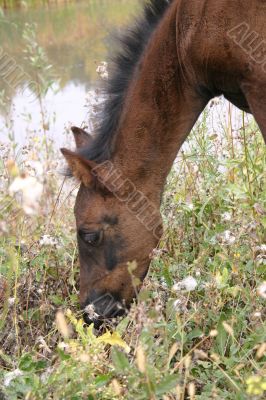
180,54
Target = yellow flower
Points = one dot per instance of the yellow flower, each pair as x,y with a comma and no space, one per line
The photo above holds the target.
256,385
113,339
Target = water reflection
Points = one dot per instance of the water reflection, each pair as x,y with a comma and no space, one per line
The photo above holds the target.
73,36
66,107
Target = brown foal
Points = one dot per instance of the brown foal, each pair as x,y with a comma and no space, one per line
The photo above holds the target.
181,54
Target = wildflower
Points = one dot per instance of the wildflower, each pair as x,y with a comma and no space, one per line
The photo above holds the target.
222,169
188,284
257,314
226,216
11,301
63,346
262,290
90,311
48,240
157,252
43,344
261,259
256,385
114,339
35,166
262,248
10,376
261,254
179,305
30,190
227,237
102,70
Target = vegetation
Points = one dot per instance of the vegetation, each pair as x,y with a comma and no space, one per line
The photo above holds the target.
29,3
197,329
73,35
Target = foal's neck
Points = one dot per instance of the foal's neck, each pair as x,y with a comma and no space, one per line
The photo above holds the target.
160,110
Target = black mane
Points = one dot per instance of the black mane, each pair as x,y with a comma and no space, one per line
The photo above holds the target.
132,45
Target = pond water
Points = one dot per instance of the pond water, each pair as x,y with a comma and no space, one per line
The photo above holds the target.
74,38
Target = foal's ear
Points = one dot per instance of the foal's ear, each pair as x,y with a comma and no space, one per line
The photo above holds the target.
82,138
80,167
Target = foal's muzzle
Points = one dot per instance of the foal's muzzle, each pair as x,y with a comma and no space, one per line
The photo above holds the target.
101,308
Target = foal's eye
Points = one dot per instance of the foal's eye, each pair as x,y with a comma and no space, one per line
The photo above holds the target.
91,238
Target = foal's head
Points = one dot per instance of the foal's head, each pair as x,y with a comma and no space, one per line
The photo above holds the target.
116,225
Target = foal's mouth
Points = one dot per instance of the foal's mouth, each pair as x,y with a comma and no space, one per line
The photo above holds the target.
103,310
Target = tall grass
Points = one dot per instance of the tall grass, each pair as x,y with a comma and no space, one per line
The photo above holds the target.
25,3
197,329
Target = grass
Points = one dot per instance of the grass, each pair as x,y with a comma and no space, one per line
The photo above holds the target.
179,341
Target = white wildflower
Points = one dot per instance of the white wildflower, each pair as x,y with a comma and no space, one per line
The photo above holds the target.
257,314
227,237
163,282
261,259
43,344
10,376
261,249
222,169
261,254
90,311
63,346
227,216
262,290
35,166
30,191
158,252
178,305
102,70
188,284
11,301
48,240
